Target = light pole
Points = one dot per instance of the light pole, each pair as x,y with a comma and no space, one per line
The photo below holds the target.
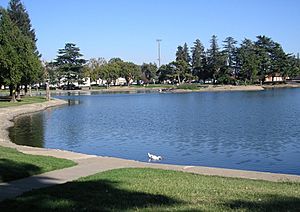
158,45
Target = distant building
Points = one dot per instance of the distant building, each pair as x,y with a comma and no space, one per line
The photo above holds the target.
277,77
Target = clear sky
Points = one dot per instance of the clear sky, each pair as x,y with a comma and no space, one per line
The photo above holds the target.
129,28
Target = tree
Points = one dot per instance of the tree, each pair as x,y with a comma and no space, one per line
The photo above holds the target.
230,52
181,71
180,53
199,62
166,72
247,61
149,72
110,72
183,53
130,71
92,68
69,62
11,47
279,61
32,70
215,60
263,49
186,54
20,17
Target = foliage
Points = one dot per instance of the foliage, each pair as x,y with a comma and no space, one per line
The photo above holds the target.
139,189
12,48
69,62
149,71
215,59
130,71
199,61
32,67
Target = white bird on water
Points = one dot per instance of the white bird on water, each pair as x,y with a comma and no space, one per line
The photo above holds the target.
154,157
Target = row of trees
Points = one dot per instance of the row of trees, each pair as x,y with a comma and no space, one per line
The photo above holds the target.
70,66
251,62
19,59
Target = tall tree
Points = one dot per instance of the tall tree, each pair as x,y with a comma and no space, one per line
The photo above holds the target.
199,62
263,48
19,15
230,52
69,62
215,59
180,53
247,62
11,47
186,53
183,53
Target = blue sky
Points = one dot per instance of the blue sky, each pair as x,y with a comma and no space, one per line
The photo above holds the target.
129,28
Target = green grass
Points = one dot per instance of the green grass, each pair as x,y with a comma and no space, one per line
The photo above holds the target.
159,190
24,100
188,87
15,165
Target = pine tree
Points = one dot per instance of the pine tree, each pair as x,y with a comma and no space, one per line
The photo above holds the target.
186,54
199,61
20,17
230,54
11,47
180,53
247,61
18,14
69,62
215,59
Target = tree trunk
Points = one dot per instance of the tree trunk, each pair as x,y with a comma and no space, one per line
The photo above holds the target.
179,79
18,90
30,92
26,89
11,90
13,98
47,92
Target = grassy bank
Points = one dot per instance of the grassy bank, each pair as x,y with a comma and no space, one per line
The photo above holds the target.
15,165
25,100
159,190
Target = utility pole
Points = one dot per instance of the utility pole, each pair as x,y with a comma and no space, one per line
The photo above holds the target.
158,45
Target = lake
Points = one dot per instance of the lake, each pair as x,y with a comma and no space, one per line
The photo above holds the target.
257,130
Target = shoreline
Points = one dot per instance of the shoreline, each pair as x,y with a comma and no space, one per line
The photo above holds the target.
158,89
8,114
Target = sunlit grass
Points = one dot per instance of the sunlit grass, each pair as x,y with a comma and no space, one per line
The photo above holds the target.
15,165
24,100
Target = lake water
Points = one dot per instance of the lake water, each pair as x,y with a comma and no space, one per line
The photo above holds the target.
242,130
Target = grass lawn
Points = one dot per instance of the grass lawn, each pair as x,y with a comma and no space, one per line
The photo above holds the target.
24,100
159,190
15,165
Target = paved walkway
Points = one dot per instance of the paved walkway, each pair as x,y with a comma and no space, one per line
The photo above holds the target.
89,164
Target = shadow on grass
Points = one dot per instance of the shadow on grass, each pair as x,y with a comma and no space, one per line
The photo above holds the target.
97,195
11,170
267,203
